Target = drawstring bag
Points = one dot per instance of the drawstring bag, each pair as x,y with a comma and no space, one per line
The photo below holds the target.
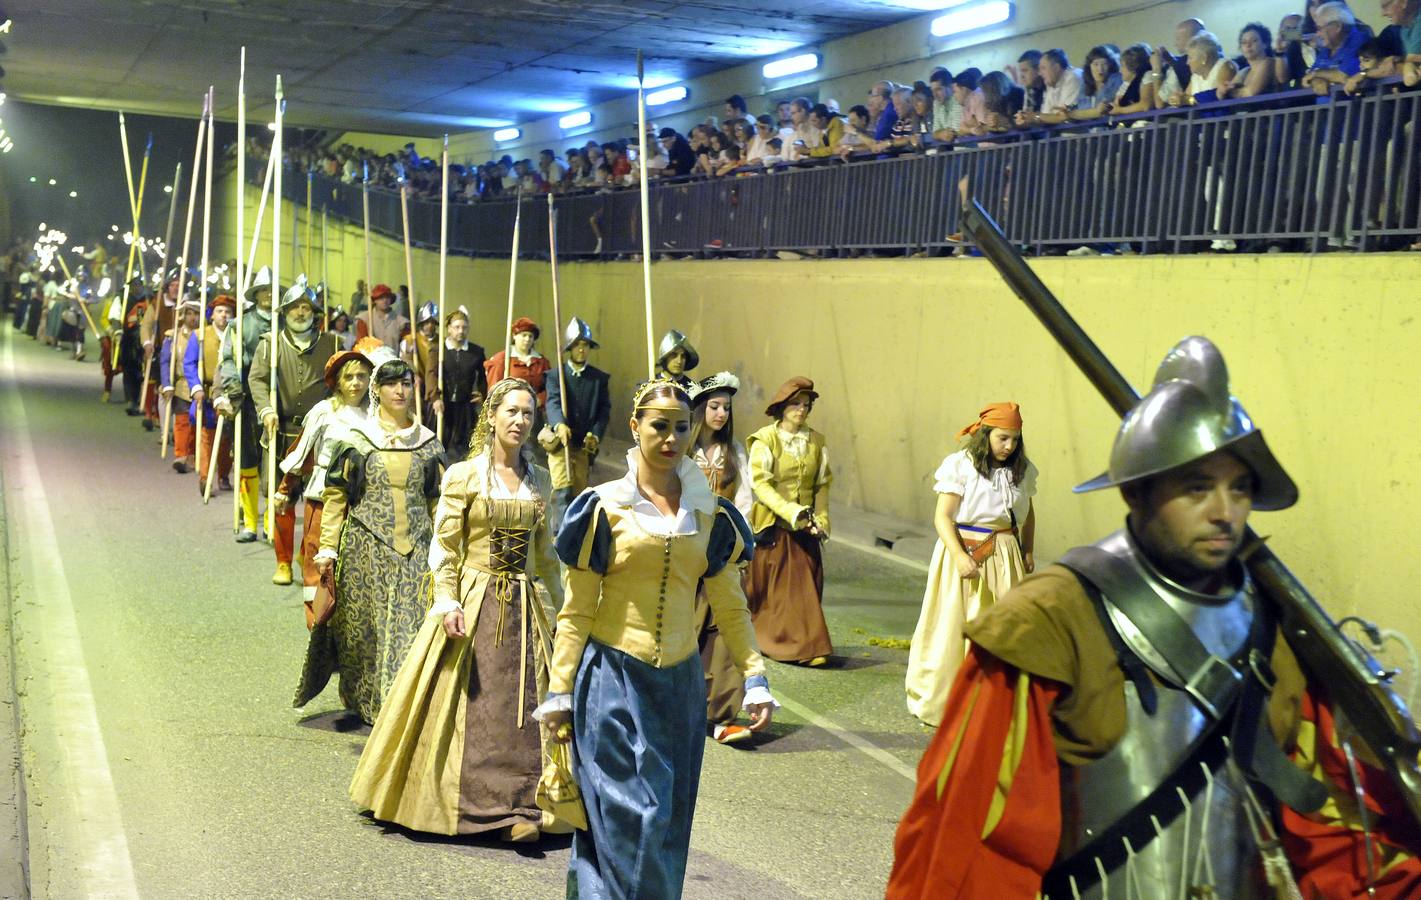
558,793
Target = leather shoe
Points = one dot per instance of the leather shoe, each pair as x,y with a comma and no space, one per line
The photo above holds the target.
246,536
180,467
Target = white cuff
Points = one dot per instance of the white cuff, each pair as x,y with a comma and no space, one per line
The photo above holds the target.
758,694
553,703
324,553
443,607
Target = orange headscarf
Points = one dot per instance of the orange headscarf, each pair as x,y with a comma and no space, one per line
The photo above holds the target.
995,415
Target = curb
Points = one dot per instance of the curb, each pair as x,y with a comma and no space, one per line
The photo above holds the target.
14,836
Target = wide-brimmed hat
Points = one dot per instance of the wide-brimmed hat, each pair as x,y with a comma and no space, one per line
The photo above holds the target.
720,381
1187,415
796,385
522,324
362,350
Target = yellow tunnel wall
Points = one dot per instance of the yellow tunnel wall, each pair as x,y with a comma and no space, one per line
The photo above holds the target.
1323,351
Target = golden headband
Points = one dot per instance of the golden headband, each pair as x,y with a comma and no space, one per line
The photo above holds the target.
649,387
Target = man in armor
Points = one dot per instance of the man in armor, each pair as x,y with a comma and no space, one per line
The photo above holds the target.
1125,719
675,357
576,421
301,355
234,394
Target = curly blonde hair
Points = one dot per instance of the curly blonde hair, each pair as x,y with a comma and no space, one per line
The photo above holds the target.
482,441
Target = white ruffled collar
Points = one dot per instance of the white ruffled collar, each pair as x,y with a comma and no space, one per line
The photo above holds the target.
696,494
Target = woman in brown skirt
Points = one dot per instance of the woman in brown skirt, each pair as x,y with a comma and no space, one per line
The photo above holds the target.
790,477
456,749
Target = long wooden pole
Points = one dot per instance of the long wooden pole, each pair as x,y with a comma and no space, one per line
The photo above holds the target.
182,271
242,274
645,212
512,280
257,231
202,295
409,284
128,270
443,274
557,326
325,275
273,440
369,281
310,190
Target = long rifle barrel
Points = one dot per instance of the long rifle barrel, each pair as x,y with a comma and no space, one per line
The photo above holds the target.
1353,679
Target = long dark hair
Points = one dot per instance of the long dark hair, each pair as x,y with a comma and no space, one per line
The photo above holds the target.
979,450
725,437
1101,52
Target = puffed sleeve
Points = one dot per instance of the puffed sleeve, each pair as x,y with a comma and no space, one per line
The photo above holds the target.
730,546
446,550
584,544
951,477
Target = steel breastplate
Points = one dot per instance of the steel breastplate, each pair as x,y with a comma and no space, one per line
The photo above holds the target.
1210,845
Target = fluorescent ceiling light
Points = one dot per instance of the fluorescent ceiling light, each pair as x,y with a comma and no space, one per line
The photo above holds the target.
928,5
667,95
793,65
552,106
575,120
507,134
481,122
972,17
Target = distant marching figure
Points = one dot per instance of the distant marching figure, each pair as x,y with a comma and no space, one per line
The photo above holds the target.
789,468
985,527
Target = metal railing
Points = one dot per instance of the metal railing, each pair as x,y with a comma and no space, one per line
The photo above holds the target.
1290,169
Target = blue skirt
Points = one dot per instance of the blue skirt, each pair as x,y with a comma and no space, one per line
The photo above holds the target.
638,736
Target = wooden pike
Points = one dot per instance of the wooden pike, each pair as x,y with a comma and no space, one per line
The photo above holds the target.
443,273
512,280
365,206
182,268
557,325
202,291
273,439
241,287
645,212
409,283
136,202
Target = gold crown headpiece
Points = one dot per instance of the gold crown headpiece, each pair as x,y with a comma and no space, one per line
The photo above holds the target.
648,387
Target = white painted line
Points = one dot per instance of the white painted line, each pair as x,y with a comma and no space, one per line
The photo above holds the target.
858,742
88,845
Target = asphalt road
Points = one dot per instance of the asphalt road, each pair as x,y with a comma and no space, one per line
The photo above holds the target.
162,757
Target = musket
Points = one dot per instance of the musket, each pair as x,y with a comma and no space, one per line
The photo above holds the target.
645,212
443,272
1355,682
512,279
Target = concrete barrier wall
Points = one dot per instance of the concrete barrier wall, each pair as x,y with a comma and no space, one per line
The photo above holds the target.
1324,351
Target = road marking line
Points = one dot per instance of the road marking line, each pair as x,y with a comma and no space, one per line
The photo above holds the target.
858,742
91,843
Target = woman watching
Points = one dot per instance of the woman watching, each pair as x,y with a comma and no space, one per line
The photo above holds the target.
456,749
986,527
375,531
1259,75
1102,79
790,477
626,686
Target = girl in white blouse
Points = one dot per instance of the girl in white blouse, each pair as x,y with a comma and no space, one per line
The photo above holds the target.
986,527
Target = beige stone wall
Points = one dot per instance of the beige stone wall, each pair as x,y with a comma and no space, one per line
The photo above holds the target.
1323,352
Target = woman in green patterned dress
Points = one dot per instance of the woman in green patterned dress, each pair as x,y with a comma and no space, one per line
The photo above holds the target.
380,493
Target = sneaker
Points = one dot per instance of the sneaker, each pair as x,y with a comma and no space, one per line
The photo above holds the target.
1083,251
597,250
731,734
282,575
246,536
1223,246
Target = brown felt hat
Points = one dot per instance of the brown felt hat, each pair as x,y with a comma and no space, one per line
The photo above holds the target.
797,384
361,350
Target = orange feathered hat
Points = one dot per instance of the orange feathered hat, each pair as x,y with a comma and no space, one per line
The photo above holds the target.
995,415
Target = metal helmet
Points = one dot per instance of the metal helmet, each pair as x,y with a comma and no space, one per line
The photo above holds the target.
298,292
674,340
262,280
428,312
1187,415
578,330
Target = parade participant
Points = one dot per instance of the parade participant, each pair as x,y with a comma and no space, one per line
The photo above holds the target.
626,681
722,460
381,488
464,385
130,343
790,477
200,368
1145,697
111,325
379,322
302,354
986,527
577,421
338,323
173,383
479,666
527,363
675,357
54,306
235,394
158,320
347,376
419,350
